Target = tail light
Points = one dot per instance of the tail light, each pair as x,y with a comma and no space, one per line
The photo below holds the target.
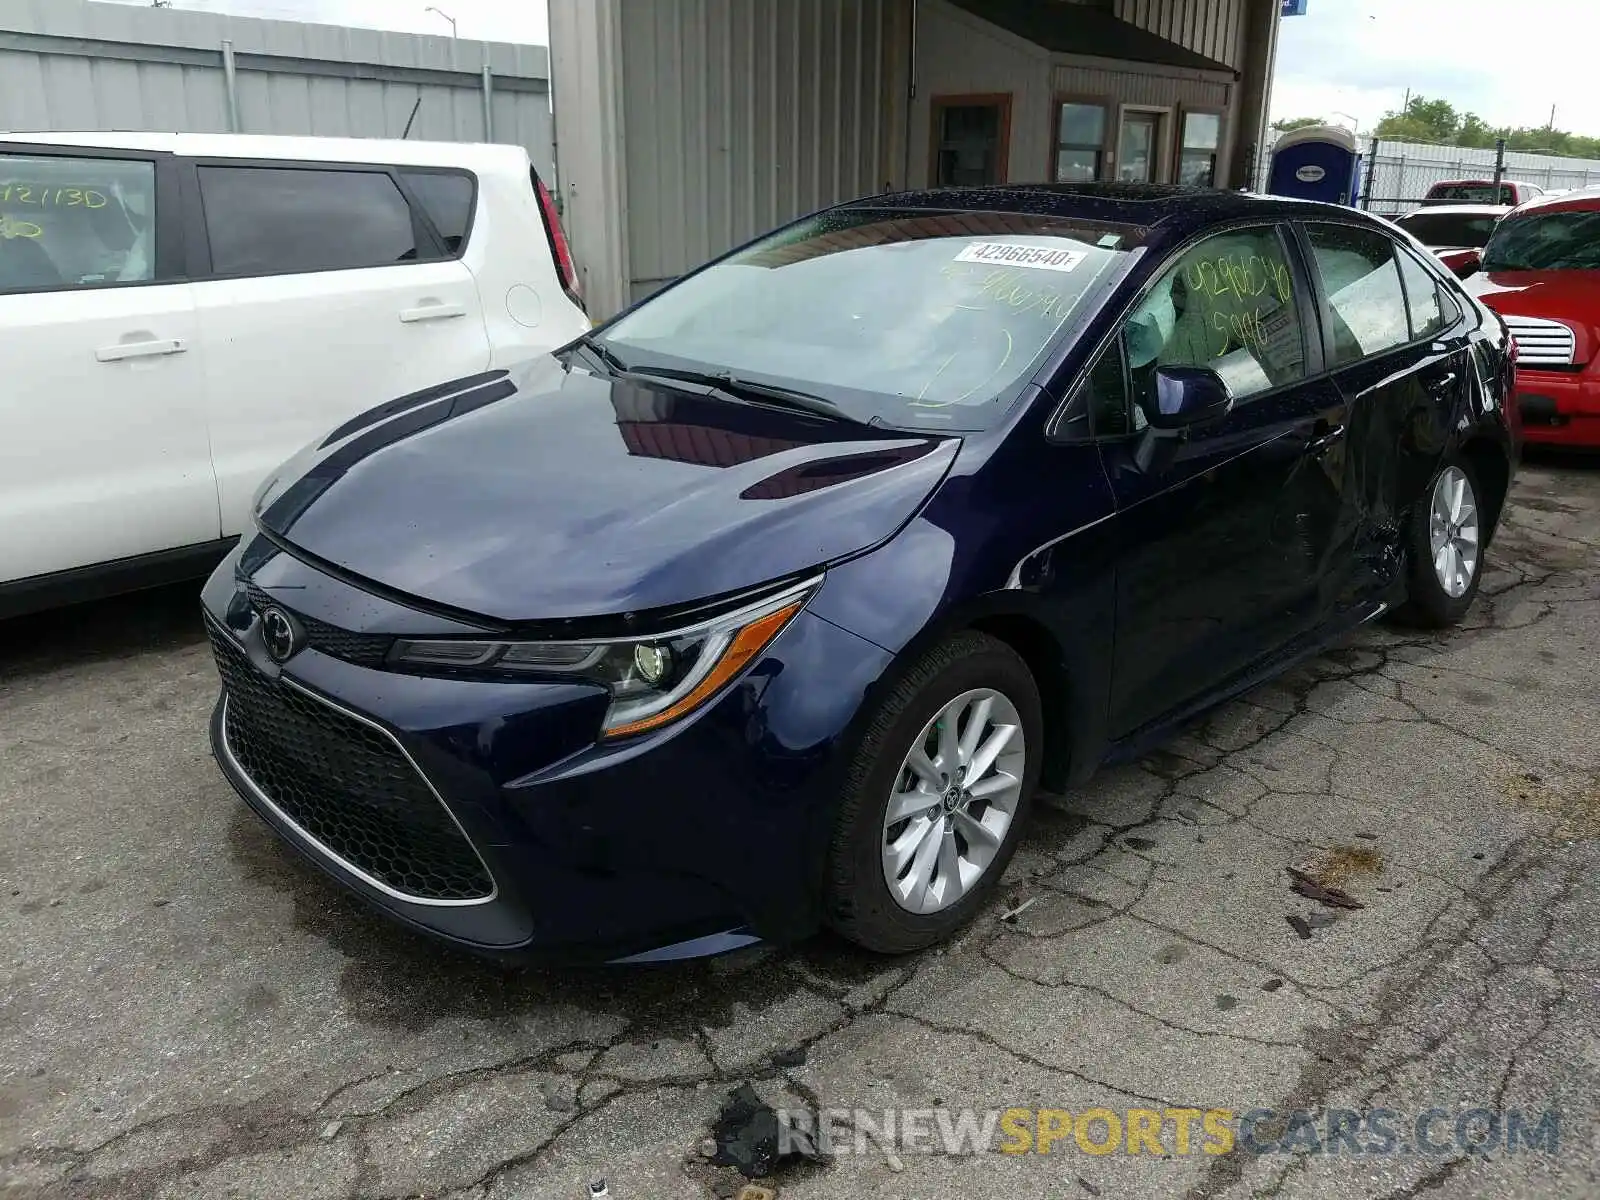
560,249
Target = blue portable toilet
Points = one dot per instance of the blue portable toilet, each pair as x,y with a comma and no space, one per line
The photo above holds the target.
1319,162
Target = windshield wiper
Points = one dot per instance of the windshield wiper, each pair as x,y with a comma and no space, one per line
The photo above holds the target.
606,357
761,393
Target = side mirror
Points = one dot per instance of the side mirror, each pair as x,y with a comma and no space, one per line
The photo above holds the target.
1467,263
1187,396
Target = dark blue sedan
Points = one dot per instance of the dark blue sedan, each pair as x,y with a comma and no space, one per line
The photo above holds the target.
772,602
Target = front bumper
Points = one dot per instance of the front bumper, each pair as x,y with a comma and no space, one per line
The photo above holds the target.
1558,407
484,813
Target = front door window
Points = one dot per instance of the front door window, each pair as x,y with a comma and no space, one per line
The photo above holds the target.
1136,152
1227,304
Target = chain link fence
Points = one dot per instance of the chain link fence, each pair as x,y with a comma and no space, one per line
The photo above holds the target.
1395,176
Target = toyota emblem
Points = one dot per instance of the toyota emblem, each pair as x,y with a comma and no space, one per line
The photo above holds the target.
279,634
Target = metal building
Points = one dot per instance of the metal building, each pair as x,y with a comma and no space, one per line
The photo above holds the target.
67,64
687,126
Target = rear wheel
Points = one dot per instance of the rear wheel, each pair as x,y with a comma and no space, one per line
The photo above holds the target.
1446,544
936,796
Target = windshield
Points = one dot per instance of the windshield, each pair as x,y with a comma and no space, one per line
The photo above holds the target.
1449,229
921,320
1556,241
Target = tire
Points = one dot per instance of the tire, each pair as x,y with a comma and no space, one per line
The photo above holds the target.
858,902
1429,603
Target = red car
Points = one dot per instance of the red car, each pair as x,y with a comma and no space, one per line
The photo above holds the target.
1541,273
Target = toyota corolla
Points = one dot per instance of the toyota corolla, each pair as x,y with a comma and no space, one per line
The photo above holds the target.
770,604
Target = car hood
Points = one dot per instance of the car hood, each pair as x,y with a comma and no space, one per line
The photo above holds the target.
555,494
1571,297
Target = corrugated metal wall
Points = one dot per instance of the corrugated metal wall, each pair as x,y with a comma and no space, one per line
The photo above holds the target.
1214,28
1144,87
742,114
957,53
70,65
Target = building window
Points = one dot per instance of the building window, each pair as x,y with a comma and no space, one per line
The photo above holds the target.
1139,148
1080,142
1197,157
971,136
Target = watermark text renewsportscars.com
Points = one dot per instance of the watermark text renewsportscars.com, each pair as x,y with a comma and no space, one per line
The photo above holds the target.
1438,1130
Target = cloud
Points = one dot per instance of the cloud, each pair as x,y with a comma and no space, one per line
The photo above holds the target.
1506,63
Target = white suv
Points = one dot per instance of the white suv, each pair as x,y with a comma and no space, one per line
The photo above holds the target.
180,313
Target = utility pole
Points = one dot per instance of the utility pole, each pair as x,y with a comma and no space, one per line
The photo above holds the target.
1551,128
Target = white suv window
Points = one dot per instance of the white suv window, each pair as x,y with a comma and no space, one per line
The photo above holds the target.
75,222
277,221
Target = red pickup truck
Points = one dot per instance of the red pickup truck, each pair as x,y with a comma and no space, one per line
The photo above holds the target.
1482,191
1541,273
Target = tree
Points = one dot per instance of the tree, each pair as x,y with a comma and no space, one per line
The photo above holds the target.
1422,120
1437,121
1290,124
1475,131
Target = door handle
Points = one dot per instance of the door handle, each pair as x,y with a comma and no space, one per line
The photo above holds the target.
432,312
1325,438
122,350
1442,384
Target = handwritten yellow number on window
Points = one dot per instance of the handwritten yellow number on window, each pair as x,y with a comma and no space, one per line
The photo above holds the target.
35,196
12,228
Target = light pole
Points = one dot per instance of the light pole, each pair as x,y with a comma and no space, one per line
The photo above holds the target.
445,15
1348,117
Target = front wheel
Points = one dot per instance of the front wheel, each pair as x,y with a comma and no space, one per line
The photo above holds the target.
936,796
1446,549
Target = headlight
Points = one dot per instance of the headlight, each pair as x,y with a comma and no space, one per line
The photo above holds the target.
653,681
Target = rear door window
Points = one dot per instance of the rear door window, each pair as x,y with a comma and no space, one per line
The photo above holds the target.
1367,306
274,221
76,222
447,199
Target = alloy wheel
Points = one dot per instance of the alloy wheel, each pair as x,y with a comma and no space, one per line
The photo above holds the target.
1453,531
954,800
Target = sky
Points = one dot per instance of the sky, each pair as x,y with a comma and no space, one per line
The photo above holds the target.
1506,61
491,20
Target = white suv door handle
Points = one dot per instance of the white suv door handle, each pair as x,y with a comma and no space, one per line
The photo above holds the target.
122,350
432,312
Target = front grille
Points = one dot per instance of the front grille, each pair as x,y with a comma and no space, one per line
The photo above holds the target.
346,785
363,649
1542,343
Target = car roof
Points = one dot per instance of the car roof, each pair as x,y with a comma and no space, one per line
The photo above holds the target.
1183,209
1586,199
1463,210
471,155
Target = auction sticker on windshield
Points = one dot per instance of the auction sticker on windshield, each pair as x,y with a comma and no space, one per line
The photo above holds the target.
1042,257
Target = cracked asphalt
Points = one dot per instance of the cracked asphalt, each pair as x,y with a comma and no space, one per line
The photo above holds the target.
190,1012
